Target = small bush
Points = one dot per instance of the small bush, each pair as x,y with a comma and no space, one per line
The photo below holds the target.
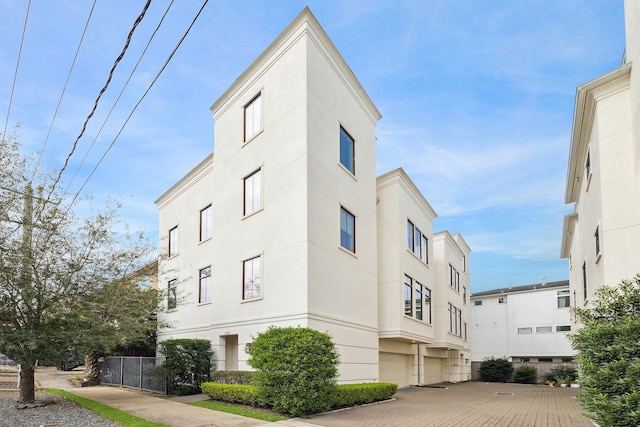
496,370
296,369
232,377
187,364
526,375
359,394
561,373
233,393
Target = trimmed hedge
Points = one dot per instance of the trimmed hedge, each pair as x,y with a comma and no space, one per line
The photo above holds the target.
359,394
496,370
526,375
233,393
345,394
232,377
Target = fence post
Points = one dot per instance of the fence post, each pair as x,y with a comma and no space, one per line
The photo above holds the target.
140,376
121,371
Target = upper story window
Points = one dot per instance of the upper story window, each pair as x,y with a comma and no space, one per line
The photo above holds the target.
206,223
173,241
596,236
253,192
477,302
584,280
464,294
347,230
253,117
587,164
251,278
502,300
455,320
347,151
454,278
417,242
205,285
172,294
564,298
417,300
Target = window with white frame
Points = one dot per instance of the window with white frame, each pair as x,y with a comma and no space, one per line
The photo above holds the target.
206,223
455,320
417,300
251,278
502,300
427,305
253,192
584,280
454,278
563,328
408,299
564,298
205,285
587,164
347,230
596,236
417,242
543,329
477,302
172,294
173,241
525,330
464,294
253,117
347,151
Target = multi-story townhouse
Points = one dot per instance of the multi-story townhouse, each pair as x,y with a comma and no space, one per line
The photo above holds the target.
280,227
600,237
527,324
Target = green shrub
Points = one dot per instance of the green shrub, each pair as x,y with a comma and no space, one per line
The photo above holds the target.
233,393
187,364
296,369
561,373
526,375
232,377
359,394
496,370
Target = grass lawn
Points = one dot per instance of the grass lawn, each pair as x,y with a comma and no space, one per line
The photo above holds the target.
240,410
123,418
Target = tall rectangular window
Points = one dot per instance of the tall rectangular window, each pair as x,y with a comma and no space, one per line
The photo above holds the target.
564,299
172,294
347,230
173,241
205,285
584,280
454,278
597,240
253,192
424,255
206,223
347,151
417,242
587,164
464,294
418,292
410,231
251,278
253,117
408,291
427,305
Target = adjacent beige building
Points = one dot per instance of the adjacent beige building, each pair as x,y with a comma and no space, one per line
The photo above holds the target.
600,238
287,225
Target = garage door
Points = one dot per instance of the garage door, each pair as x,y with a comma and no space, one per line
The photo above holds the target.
394,368
432,370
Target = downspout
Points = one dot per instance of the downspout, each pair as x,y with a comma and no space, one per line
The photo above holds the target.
419,382
449,364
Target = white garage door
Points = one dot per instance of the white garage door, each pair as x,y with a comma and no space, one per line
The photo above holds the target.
432,370
394,368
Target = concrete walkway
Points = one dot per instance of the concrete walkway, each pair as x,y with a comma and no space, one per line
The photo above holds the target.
174,412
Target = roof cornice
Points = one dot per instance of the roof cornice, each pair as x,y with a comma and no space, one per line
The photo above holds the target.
400,176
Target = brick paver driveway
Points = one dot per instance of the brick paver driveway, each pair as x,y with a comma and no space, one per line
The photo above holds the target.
467,404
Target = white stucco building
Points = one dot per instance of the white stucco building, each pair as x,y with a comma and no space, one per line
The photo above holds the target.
287,225
526,324
600,238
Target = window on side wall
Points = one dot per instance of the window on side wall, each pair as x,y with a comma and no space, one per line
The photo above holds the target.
205,285
253,117
347,151
564,298
251,278
408,299
596,237
427,305
206,223
526,330
253,192
419,300
347,230
172,294
173,241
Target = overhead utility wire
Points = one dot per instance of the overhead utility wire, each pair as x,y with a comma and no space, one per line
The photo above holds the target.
35,170
138,103
95,105
15,75
118,98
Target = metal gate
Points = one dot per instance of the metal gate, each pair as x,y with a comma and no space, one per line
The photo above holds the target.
142,373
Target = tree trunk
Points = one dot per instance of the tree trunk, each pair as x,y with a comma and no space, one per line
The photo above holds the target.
27,385
92,369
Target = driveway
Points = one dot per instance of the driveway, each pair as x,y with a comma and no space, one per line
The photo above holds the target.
467,404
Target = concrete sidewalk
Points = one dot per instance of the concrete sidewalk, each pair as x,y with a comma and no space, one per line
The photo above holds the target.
175,412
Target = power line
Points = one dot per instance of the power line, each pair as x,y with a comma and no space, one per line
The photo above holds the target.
95,105
15,76
119,96
138,103
63,91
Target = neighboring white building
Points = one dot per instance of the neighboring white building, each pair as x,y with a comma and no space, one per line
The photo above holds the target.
600,238
527,324
287,225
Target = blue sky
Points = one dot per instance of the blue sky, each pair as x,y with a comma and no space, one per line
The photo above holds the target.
477,101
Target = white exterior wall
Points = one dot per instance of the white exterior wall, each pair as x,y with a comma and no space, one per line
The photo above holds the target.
606,126
494,325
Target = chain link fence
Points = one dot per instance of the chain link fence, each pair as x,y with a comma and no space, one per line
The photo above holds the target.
142,373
